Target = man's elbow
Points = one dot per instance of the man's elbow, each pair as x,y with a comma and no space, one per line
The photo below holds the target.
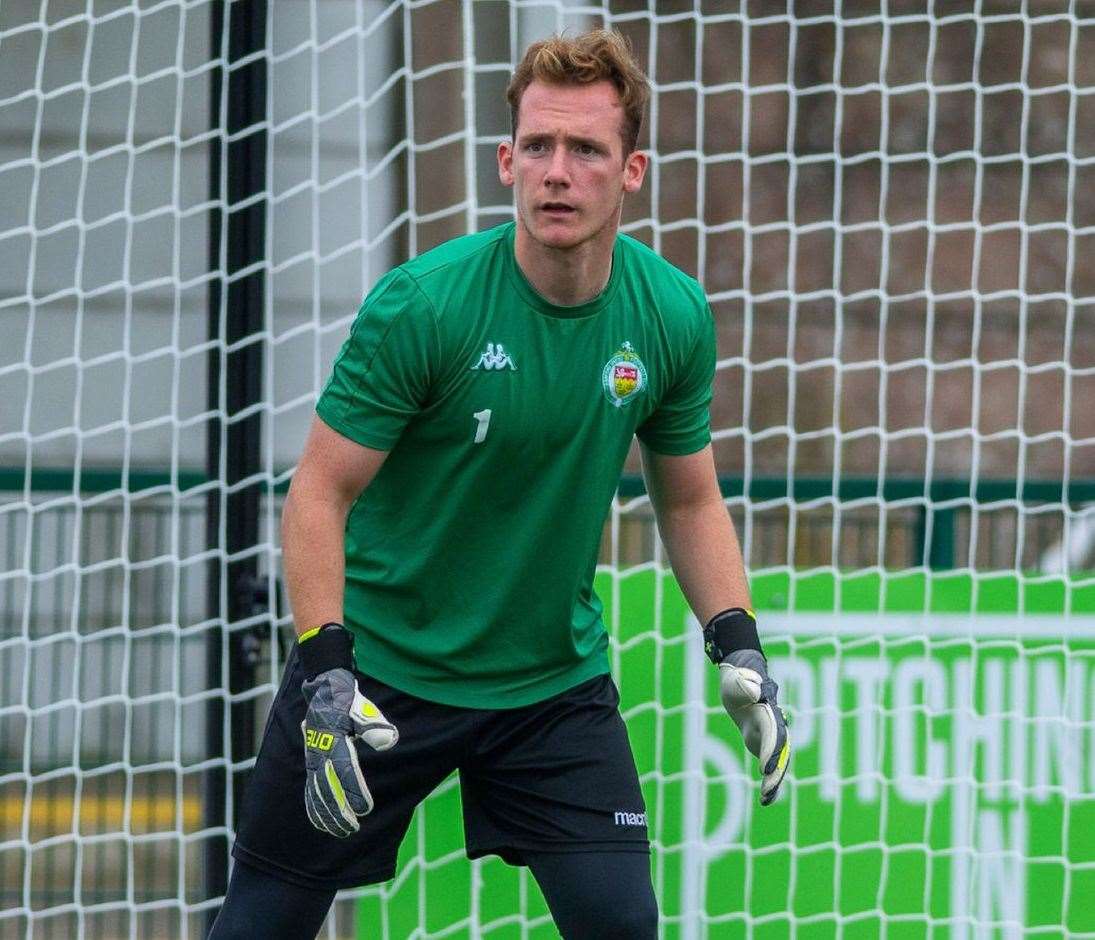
689,502
312,498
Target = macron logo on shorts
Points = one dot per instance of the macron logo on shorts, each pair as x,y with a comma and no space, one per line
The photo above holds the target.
630,819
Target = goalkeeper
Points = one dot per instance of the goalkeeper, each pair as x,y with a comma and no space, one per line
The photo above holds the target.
442,531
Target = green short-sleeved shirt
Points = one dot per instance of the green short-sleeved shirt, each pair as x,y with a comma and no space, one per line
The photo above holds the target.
470,557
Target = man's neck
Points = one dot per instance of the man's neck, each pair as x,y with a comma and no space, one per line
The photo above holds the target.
566,277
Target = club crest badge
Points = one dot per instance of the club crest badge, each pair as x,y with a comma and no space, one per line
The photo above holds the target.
624,376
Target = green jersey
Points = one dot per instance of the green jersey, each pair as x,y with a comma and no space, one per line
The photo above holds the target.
470,557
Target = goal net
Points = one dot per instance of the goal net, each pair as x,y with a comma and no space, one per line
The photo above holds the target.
892,210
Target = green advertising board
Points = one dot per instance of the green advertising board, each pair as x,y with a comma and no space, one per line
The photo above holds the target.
942,785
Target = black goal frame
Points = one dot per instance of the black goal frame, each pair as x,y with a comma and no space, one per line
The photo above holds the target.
238,608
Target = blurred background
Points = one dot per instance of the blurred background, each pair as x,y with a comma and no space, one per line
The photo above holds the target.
891,207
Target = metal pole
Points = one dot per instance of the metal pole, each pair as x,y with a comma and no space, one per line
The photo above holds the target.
234,446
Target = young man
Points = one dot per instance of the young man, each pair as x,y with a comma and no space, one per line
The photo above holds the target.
442,529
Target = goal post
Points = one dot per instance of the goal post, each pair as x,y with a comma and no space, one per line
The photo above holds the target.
889,207
240,602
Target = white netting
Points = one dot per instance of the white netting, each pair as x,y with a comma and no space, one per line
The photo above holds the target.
893,213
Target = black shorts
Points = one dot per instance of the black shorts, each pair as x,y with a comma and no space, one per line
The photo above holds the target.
557,775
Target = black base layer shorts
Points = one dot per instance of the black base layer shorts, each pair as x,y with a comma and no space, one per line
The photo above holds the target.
557,775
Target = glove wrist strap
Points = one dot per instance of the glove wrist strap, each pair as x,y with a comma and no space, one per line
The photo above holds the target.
328,647
730,630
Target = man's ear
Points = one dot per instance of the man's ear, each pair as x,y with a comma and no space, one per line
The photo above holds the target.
635,170
505,162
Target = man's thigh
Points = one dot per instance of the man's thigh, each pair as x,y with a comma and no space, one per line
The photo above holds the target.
558,776
275,834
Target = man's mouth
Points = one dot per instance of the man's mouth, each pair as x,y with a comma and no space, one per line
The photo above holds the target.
559,208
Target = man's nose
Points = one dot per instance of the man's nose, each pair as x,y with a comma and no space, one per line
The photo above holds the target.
558,173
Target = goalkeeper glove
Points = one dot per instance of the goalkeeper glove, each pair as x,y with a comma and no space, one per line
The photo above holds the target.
749,694
335,793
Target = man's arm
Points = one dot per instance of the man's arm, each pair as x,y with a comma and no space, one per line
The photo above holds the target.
332,473
697,531
706,558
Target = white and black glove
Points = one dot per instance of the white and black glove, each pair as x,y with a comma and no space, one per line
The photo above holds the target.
749,694
335,793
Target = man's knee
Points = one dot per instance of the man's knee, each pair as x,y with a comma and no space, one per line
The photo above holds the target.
260,905
598,896
227,928
633,919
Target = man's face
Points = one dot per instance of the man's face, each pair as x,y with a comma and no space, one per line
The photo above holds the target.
567,163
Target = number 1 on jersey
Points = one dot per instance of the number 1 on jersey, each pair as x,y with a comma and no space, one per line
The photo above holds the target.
483,417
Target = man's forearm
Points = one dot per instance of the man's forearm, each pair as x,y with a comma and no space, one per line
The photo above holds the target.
703,549
705,555
313,557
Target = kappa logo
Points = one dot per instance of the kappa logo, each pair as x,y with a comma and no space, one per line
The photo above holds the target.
495,357
630,819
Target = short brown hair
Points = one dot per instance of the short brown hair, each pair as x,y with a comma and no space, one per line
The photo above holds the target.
598,55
